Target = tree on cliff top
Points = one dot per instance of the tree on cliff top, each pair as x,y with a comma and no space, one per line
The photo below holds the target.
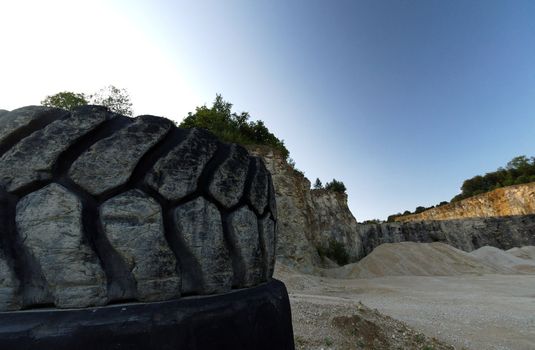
117,100
232,127
336,186
519,170
318,185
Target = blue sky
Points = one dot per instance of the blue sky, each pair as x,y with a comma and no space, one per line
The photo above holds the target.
402,100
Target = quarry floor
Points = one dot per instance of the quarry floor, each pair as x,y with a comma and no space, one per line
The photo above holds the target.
488,311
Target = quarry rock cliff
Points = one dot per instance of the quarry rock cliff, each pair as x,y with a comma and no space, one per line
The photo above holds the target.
307,219
505,201
311,219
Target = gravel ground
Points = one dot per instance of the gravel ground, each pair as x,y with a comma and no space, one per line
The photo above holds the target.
324,323
470,311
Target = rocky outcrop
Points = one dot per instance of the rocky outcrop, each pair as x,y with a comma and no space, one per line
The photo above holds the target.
506,201
465,234
294,210
334,221
307,219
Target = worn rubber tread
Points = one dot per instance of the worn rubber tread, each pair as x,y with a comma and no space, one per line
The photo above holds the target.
229,185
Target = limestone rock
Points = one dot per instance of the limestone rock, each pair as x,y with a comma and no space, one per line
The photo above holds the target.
294,211
465,234
33,157
110,162
258,194
176,175
199,225
505,201
134,226
334,221
243,230
50,225
229,179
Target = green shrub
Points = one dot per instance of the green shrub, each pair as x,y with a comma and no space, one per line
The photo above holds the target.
233,127
335,251
518,171
336,186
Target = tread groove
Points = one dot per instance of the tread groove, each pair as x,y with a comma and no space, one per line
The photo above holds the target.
82,144
251,173
120,281
33,286
238,264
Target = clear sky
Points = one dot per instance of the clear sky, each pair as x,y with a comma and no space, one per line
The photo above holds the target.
402,100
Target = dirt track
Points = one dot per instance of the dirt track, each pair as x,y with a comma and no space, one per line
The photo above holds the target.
487,311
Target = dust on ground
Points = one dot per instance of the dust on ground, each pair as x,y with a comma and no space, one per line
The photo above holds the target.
480,310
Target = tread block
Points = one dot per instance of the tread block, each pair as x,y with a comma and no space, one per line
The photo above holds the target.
50,225
199,225
11,122
243,230
228,181
258,194
176,175
272,201
133,224
10,298
110,162
269,240
33,158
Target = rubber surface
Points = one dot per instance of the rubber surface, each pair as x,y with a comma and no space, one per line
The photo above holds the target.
254,318
97,208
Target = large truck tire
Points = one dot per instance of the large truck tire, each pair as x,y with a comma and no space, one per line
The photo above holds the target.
98,209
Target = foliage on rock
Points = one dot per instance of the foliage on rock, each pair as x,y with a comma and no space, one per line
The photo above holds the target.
318,185
232,127
518,171
66,100
117,100
335,251
336,186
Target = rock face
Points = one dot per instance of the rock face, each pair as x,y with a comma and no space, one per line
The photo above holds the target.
310,219
307,219
335,221
465,234
506,201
